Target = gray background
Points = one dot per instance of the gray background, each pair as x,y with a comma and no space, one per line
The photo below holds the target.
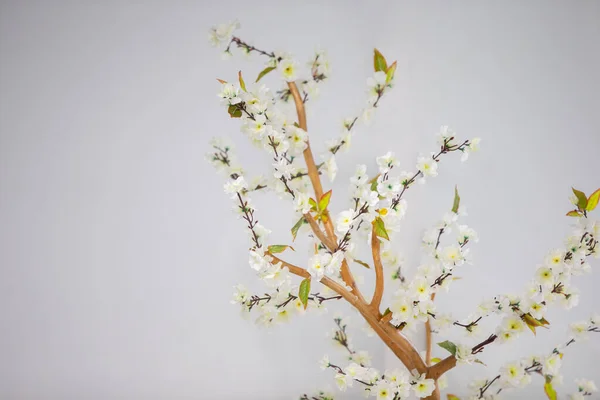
118,249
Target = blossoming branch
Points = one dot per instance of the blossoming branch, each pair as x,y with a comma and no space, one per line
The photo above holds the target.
375,209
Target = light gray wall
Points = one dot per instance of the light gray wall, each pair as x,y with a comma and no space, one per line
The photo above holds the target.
118,249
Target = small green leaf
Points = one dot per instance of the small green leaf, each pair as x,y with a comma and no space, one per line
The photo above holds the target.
387,311
550,392
573,213
373,183
364,264
478,361
264,72
379,61
234,111
379,228
303,291
298,225
436,360
448,345
592,201
242,83
456,203
279,248
452,397
313,204
533,323
389,73
581,199
324,201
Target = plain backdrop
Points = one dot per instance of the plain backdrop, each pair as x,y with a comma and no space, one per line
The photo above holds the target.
118,247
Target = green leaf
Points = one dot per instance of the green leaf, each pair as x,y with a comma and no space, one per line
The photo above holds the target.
364,264
387,311
456,203
592,201
264,72
298,225
436,360
234,111
581,199
379,228
478,361
324,200
373,183
242,83
279,248
448,345
303,291
533,323
389,73
379,61
452,397
550,392
313,204
573,213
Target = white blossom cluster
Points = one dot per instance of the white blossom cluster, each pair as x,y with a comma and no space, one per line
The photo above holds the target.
551,285
392,385
518,374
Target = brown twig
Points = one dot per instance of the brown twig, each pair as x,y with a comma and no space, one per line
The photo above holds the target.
376,250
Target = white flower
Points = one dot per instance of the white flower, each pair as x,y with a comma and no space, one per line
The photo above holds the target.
402,310
445,135
464,354
222,33
235,186
544,276
551,364
388,188
386,162
259,262
474,144
421,288
240,295
229,93
297,139
383,390
576,396
537,310
452,255
284,169
513,324
331,168
343,381
312,88
512,374
317,264
465,233
423,387
344,220
586,386
255,128
302,203
324,362
579,330
427,165
360,176
335,263
288,69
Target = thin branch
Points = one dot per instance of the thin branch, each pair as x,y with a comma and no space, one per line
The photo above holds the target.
428,338
376,250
